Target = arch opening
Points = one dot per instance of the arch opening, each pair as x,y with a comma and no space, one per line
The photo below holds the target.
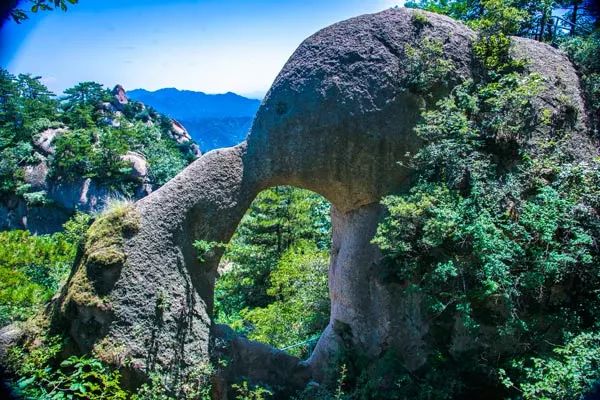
272,280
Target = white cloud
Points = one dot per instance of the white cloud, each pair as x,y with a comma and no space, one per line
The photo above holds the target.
392,3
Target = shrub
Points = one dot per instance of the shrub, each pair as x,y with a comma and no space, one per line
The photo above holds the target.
31,270
570,372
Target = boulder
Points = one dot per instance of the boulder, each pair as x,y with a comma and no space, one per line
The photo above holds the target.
179,133
195,150
181,136
36,175
139,165
120,97
44,139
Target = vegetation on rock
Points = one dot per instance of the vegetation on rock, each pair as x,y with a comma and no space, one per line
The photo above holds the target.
83,134
499,233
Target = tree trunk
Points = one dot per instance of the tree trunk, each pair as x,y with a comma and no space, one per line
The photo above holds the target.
574,16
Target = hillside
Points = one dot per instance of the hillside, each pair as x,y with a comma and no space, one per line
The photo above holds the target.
78,151
213,120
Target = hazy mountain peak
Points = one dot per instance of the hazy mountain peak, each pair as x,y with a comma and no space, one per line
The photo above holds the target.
213,120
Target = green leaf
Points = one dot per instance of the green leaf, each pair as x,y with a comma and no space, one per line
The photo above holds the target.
25,382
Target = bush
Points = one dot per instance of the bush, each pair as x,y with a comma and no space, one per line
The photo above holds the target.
43,376
300,311
571,372
32,268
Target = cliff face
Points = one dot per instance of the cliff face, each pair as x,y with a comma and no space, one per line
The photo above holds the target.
61,197
338,120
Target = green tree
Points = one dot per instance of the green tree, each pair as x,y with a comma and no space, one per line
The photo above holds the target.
278,218
85,93
300,311
31,270
26,108
74,153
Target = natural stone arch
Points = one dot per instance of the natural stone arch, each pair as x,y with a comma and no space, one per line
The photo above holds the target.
337,120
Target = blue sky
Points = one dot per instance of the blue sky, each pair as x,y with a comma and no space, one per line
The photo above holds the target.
208,45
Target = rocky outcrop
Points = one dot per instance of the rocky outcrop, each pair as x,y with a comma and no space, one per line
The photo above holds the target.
338,120
256,362
58,199
44,140
181,135
120,97
139,165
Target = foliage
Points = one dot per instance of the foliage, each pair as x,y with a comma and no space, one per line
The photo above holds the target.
277,219
43,376
26,105
205,249
165,161
494,235
569,373
31,270
89,138
426,69
301,307
196,386
525,17
84,94
76,377
499,19
76,228
246,392
19,15
584,51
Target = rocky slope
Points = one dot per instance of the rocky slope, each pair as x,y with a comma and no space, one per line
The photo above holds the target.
61,197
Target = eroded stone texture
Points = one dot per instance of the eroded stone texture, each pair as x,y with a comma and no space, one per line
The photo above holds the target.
368,314
163,298
338,120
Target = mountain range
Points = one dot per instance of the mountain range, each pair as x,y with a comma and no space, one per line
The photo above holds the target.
213,120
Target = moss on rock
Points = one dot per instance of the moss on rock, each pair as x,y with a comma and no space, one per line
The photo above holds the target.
105,238
85,304
110,352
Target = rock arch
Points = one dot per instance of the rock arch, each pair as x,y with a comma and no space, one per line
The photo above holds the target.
337,120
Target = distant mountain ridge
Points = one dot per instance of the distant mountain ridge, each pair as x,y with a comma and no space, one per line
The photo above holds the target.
213,120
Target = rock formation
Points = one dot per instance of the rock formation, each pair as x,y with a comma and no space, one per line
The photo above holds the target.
338,120
62,198
120,96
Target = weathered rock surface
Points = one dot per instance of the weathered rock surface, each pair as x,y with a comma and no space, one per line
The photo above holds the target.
139,165
120,96
338,120
256,362
61,199
45,139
